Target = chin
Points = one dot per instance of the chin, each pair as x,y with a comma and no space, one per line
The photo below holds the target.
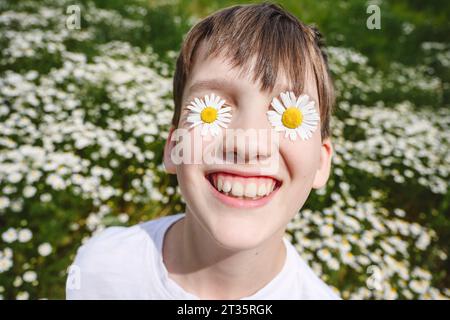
237,234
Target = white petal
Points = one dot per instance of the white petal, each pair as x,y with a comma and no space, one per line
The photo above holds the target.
276,104
272,113
310,114
219,104
275,118
215,129
293,135
221,123
228,120
311,120
195,104
194,108
292,97
302,100
308,107
195,124
309,125
302,132
272,120
216,100
200,103
193,118
286,100
223,110
278,122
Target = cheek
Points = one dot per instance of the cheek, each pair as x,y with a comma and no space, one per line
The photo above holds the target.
186,179
205,147
187,170
193,148
193,187
190,172
301,159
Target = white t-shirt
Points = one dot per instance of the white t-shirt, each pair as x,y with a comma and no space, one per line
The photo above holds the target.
127,263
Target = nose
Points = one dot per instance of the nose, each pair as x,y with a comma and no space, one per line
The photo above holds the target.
249,138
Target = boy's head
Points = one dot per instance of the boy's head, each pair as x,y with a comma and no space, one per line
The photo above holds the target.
248,55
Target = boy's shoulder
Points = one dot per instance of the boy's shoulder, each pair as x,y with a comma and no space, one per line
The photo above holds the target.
117,254
122,241
119,242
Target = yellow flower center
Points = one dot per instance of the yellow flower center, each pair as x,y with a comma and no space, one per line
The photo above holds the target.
208,115
292,117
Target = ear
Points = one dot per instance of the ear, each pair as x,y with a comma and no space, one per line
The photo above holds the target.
167,159
323,172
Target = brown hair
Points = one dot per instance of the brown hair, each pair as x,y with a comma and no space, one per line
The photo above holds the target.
265,31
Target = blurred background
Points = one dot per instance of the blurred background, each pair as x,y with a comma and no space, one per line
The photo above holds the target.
84,113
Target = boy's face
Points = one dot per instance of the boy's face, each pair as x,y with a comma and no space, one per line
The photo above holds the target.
301,165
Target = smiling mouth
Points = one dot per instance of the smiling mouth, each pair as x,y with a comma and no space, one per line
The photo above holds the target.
243,187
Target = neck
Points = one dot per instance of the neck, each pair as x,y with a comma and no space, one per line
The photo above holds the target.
203,267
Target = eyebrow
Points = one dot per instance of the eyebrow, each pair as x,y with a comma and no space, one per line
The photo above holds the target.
225,85
213,84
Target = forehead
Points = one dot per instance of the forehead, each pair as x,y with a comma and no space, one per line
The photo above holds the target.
216,73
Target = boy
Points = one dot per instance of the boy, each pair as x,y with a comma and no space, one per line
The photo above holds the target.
229,243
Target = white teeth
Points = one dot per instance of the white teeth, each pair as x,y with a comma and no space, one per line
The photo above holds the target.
262,190
219,183
238,189
253,189
226,186
250,190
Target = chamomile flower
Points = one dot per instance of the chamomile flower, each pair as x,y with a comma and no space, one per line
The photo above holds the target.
295,116
209,113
